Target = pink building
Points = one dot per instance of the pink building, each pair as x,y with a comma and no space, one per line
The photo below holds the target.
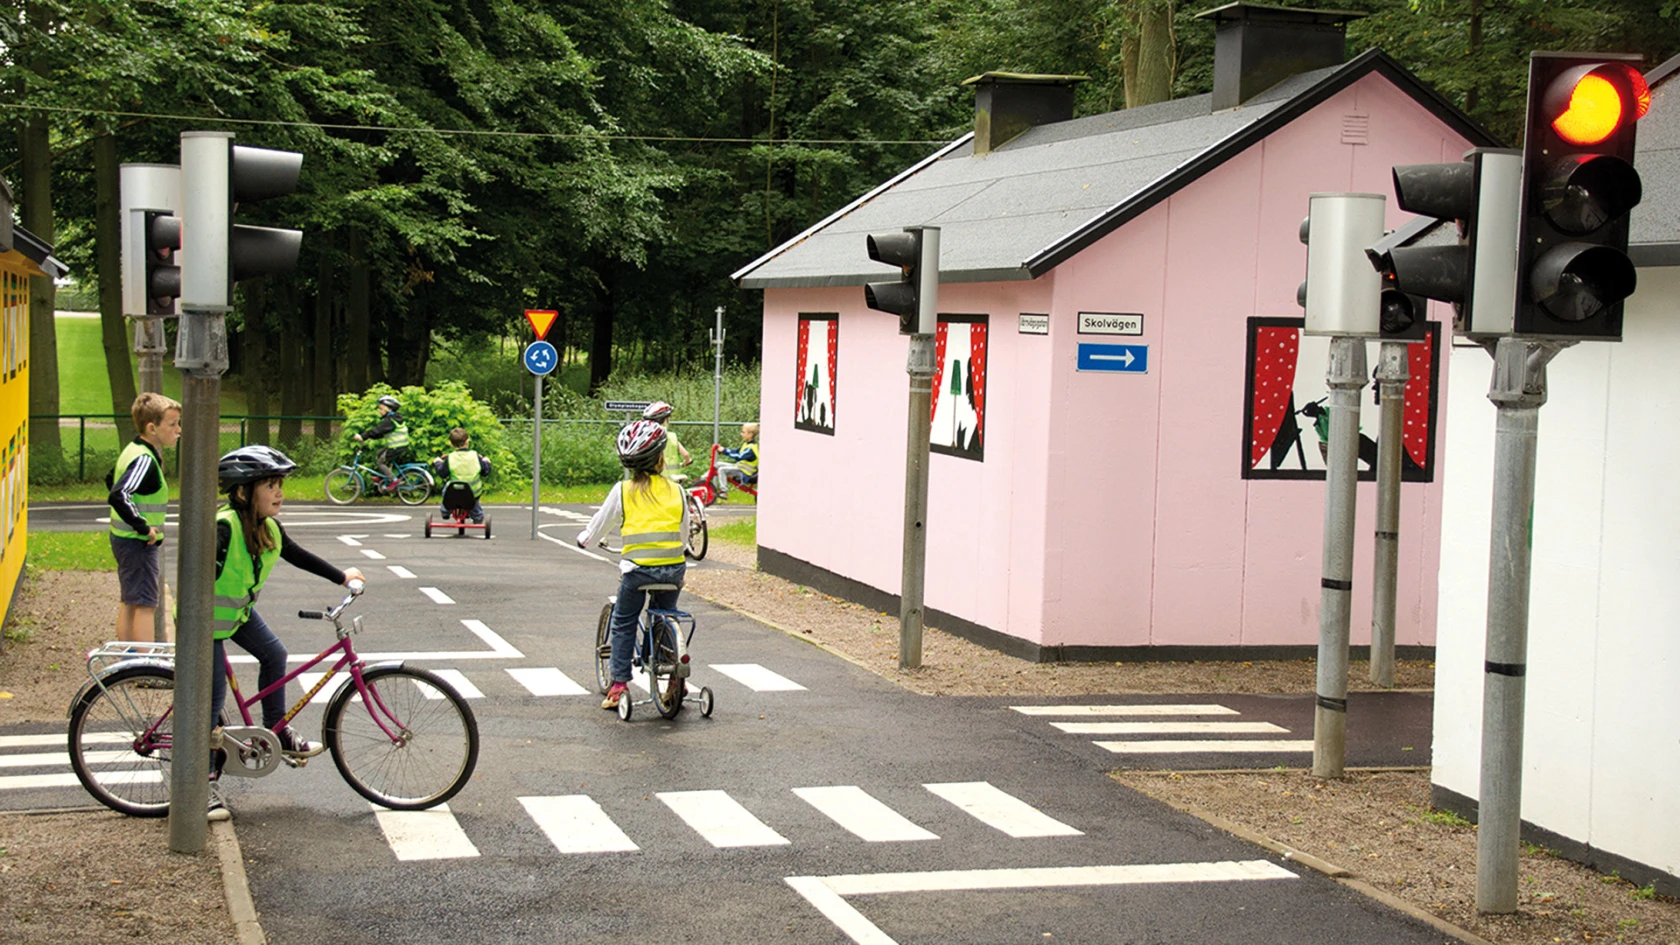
1125,461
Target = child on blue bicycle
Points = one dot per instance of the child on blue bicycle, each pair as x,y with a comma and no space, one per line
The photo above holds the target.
653,518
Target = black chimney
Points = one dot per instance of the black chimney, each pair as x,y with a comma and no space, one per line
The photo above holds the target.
1257,46
1008,103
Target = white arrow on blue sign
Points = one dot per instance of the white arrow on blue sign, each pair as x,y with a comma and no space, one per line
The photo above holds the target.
1121,359
541,358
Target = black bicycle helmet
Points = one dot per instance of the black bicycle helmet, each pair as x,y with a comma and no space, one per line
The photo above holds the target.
252,464
391,402
640,444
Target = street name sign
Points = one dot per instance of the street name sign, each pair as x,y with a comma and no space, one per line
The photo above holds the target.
1110,323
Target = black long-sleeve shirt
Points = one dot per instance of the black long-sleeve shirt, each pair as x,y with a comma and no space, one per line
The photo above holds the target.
291,552
143,476
383,428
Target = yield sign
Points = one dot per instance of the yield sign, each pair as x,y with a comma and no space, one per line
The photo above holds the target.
541,320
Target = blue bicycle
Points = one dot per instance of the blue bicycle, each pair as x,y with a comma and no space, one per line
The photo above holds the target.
412,482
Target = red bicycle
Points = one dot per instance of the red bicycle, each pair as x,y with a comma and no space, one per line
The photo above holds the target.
700,497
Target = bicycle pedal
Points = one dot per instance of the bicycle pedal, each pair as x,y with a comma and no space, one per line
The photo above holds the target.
294,761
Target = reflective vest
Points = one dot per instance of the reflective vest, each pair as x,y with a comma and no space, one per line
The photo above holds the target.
241,578
653,522
398,437
464,467
750,466
673,450
151,505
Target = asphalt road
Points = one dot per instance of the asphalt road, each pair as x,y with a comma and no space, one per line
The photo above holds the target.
820,803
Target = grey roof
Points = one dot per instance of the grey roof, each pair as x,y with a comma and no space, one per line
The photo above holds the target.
38,251
1654,225
1047,194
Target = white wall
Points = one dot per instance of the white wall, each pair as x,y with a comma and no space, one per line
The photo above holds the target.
1602,735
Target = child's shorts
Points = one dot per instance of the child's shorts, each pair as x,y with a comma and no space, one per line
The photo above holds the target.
137,571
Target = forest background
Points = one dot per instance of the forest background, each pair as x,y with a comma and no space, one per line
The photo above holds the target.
612,160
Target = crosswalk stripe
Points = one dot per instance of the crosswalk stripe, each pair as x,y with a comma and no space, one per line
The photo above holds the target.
1188,747
546,681
576,824
437,596
20,782
399,571
350,540
1167,728
721,819
859,812
424,834
454,678
369,552
1053,876
1149,709
50,758
36,741
997,808
756,677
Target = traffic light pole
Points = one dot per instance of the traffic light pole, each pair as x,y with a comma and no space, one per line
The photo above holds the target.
717,375
1346,377
919,366
1518,391
1392,375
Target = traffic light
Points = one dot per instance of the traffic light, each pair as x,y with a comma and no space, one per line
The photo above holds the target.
217,177
1341,292
1578,185
162,237
150,208
914,297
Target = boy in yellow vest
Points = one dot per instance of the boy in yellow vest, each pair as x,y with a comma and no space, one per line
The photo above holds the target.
139,497
463,465
653,517
744,469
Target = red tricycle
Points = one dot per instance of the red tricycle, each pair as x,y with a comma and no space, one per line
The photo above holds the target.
458,502
706,491
701,495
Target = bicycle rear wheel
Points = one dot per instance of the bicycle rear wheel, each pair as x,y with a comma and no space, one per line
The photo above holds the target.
434,749
414,487
121,738
698,539
667,686
343,486
603,649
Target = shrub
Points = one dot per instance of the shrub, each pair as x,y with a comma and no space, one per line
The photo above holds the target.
431,414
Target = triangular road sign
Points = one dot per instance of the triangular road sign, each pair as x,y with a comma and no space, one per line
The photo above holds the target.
541,320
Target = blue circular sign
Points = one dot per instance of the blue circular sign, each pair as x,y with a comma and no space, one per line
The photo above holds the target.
541,358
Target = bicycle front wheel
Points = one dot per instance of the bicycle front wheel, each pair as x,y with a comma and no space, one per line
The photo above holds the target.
414,487
343,486
698,539
121,739
413,748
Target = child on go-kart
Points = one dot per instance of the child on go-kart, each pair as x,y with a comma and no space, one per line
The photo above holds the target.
465,466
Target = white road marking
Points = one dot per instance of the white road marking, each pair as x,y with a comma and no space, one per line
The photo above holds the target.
436,595
500,649
351,540
459,682
1151,709
398,536
308,681
369,552
756,677
400,571
546,681
825,893
572,544
997,808
720,819
36,741
576,824
482,630
48,759
1185,747
856,810
432,834
24,782
1168,728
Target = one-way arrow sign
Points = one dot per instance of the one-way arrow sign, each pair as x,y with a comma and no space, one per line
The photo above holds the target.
1122,359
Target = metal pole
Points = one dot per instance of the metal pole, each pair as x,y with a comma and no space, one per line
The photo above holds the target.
202,358
536,457
920,368
148,350
1345,377
717,376
1518,391
1392,374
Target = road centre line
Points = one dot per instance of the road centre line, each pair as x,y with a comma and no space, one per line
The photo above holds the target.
351,540
370,553
1150,709
400,571
437,596
573,546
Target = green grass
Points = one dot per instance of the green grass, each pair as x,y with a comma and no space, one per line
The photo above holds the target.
744,532
71,551
84,386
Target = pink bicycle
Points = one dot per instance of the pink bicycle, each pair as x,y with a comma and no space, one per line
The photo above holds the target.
401,737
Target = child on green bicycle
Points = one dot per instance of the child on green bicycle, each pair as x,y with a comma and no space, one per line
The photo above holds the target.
392,432
653,518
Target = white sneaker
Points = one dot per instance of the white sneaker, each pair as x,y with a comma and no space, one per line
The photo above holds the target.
218,808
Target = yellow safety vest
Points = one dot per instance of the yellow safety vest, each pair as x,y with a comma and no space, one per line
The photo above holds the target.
241,579
750,466
653,522
151,505
464,467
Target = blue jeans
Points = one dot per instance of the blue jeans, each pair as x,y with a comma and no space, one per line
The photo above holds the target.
629,606
255,638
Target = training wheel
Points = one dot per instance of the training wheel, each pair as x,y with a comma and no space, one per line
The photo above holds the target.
706,702
624,707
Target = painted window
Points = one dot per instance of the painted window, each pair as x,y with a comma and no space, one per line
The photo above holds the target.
959,387
814,387
1286,428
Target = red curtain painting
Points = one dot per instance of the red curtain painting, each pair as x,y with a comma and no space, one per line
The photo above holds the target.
1275,352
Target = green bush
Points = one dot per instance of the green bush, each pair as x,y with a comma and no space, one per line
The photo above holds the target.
431,414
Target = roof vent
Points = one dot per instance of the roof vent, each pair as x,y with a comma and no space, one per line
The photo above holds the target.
1255,47
1008,103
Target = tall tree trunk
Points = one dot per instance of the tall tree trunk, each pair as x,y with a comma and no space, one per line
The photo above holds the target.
1472,95
37,213
356,348
107,222
322,399
258,370
292,381
601,340
1148,53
